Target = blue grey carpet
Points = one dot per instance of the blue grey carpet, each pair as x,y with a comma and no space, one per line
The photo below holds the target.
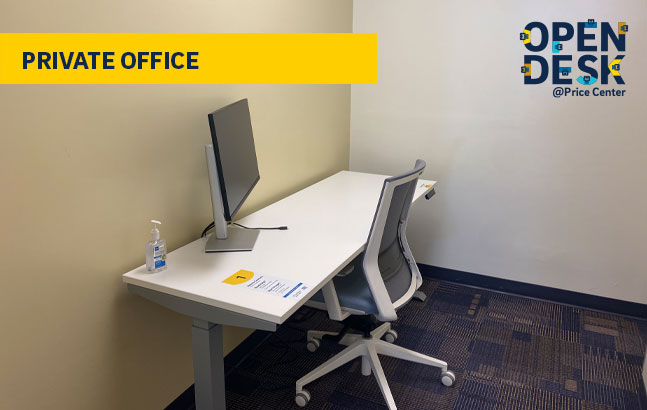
508,352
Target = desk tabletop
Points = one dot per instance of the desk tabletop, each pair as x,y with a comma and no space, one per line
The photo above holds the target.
328,226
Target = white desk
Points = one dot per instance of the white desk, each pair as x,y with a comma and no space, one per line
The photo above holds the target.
328,225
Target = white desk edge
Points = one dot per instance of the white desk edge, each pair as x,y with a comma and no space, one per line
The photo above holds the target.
135,276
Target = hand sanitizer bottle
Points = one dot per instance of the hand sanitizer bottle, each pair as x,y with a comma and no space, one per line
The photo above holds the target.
156,250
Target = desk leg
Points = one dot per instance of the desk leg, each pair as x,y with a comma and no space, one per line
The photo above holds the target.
208,366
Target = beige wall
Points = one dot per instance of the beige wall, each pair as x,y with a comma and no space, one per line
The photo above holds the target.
83,169
531,188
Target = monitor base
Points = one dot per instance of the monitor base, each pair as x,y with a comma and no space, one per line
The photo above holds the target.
238,240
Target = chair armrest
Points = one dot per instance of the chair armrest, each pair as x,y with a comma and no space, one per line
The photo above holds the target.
332,302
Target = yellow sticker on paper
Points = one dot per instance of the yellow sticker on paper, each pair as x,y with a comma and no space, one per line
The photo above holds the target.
239,277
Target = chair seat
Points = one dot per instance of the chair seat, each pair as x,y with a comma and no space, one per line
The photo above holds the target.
353,291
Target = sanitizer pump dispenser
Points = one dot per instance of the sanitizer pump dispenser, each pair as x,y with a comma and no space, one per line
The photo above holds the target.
156,250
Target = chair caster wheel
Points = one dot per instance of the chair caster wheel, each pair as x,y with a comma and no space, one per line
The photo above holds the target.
313,345
448,378
302,398
390,336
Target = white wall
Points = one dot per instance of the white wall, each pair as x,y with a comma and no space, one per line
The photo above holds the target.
531,188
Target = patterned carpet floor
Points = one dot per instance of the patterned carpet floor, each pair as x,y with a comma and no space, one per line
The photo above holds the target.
508,352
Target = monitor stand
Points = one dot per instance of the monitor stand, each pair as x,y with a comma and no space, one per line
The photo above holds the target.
224,239
238,239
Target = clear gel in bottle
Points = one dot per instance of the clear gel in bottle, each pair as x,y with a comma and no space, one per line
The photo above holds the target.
156,250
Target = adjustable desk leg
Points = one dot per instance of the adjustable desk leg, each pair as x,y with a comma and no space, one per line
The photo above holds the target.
208,366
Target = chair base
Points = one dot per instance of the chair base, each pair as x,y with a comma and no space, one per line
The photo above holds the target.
419,296
368,349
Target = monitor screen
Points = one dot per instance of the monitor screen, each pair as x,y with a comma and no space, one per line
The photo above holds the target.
233,144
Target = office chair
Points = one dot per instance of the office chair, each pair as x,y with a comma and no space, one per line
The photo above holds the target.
364,296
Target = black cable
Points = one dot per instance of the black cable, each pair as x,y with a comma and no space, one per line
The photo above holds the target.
204,233
276,228
211,225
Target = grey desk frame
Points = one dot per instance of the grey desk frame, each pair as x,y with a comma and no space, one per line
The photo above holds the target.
206,336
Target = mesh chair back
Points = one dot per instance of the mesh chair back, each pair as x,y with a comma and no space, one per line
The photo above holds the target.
384,260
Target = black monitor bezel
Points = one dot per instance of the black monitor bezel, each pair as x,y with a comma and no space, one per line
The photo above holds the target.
221,179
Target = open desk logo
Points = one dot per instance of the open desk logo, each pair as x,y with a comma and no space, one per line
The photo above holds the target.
600,47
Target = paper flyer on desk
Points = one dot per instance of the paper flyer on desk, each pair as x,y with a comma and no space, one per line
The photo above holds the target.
271,285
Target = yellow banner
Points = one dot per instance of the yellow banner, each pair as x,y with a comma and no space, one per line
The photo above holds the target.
188,58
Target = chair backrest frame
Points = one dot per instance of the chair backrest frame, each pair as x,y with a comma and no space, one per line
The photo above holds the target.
386,307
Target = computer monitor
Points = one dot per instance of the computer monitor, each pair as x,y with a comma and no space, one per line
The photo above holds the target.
233,173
